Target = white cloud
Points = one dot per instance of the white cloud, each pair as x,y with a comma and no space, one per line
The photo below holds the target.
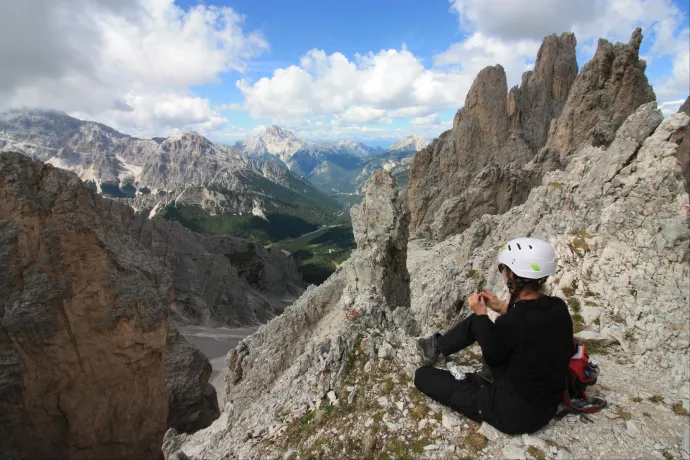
373,88
425,121
129,63
509,32
479,51
359,114
669,107
525,19
677,83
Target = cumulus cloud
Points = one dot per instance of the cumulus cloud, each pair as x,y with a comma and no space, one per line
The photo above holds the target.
669,107
374,87
129,63
511,32
525,19
425,121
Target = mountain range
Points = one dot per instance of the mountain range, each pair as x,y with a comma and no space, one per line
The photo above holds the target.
337,168
268,187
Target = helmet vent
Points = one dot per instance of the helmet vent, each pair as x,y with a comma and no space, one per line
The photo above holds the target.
509,247
530,246
518,245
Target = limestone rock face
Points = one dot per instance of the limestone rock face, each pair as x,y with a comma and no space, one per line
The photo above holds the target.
332,376
609,88
492,157
543,92
192,401
616,218
292,362
381,227
683,152
473,169
219,280
83,322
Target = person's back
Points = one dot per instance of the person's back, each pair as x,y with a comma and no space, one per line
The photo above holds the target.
538,365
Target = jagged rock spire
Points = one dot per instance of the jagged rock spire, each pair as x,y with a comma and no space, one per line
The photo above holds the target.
381,227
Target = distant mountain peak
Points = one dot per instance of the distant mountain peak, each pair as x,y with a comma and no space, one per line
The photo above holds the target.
275,131
412,141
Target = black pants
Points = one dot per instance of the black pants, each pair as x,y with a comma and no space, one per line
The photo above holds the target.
494,403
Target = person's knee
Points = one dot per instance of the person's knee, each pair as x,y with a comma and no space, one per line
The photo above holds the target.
421,377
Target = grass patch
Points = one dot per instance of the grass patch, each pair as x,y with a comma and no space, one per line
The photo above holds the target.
589,303
656,399
579,246
589,293
468,357
637,399
667,455
476,440
580,233
553,443
568,291
557,185
597,322
618,318
593,348
472,273
679,410
647,414
536,453
578,323
624,414
574,304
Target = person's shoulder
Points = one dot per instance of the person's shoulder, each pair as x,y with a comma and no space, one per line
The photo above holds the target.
554,300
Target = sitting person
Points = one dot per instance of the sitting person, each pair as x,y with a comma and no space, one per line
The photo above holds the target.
527,349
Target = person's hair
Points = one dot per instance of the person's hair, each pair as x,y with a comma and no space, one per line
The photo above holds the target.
518,285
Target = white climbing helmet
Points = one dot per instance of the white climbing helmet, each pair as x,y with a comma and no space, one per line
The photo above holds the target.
528,258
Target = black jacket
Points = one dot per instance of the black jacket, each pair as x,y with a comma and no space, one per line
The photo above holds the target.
528,350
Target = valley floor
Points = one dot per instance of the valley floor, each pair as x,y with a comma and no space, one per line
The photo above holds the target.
215,343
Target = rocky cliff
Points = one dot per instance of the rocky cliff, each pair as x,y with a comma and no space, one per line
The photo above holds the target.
503,142
219,280
83,322
91,366
192,401
332,377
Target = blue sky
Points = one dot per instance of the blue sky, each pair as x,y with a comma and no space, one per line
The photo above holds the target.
366,70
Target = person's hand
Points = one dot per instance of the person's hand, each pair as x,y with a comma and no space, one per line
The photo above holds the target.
493,302
477,304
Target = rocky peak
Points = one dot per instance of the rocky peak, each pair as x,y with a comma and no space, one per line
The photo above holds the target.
501,144
188,141
609,88
274,132
482,123
413,141
543,91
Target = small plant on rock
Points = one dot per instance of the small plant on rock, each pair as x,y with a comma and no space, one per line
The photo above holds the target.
678,409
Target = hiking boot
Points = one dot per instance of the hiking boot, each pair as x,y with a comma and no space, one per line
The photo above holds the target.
428,350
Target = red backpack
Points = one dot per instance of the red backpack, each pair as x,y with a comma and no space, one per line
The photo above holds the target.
582,372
